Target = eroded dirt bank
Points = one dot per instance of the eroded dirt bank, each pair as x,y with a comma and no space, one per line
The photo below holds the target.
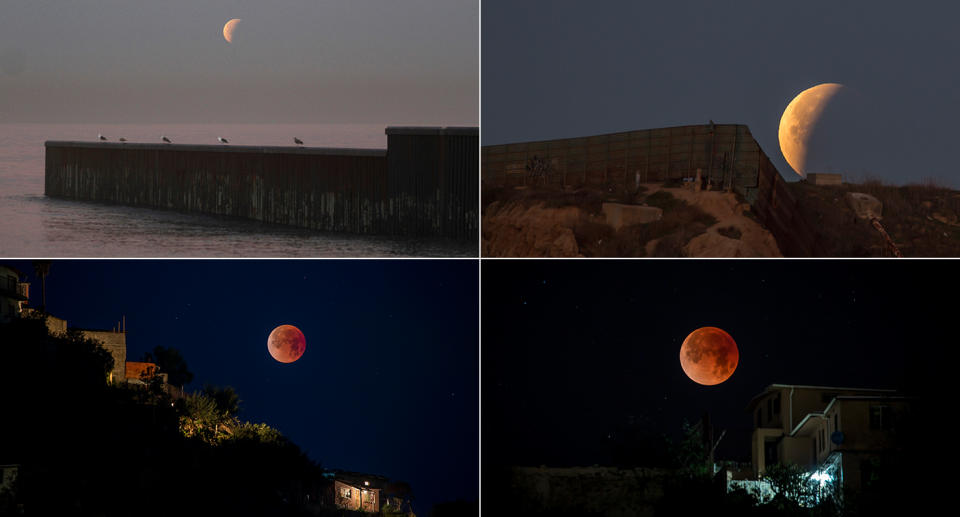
693,224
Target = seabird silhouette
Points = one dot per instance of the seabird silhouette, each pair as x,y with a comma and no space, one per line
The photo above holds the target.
122,139
222,140
101,137
165,139
297,141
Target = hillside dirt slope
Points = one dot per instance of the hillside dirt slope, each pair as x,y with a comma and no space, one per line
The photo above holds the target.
533,222
922,220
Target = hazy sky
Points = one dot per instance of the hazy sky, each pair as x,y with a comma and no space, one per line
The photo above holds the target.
391,61
563,68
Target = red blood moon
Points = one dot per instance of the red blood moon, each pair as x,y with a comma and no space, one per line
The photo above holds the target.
286,343
709,356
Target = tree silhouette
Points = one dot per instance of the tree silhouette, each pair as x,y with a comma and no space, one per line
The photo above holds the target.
172,363
226,399
42,268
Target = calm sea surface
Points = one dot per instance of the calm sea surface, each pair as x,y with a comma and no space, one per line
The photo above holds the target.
32,225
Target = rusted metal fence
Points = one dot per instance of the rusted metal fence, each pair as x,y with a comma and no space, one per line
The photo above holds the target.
727,155
433,178
419,186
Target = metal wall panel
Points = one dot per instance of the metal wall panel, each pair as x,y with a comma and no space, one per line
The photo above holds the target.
323,189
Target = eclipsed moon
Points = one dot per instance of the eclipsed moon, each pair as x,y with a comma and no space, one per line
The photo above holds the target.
230,28
709,356
286,343
799,121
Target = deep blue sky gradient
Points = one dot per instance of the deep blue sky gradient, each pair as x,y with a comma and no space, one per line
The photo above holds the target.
388,383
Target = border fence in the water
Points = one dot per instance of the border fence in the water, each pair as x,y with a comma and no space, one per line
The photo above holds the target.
424,184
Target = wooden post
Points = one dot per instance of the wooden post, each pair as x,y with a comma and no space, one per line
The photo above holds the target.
646,168
733,158
713,146
669,152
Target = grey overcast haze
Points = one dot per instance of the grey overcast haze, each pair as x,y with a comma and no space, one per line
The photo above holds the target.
560,68
298,61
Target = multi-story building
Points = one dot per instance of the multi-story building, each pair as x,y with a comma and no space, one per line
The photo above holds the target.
13,293
836,434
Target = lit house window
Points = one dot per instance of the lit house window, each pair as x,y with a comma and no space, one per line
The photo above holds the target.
346,493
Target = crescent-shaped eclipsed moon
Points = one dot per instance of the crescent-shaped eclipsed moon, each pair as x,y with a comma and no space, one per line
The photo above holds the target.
709,356
229,28
286,343
799,121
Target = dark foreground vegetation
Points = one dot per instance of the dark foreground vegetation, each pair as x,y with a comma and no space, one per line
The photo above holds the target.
678,482
88,447
922,220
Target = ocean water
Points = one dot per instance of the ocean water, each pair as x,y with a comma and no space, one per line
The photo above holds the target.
33,225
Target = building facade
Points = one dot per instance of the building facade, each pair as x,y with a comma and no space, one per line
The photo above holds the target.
356,491
14,299
835,434
13,293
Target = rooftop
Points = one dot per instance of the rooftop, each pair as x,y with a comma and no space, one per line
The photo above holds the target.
774,387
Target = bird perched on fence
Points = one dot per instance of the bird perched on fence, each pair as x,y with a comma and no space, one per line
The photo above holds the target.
101,137
222,140
165,139
297,141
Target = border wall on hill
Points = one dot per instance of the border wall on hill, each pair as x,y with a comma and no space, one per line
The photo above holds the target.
424,184
727,155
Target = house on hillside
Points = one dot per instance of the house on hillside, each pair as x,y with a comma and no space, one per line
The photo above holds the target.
835,434
137,371
14,304
355,491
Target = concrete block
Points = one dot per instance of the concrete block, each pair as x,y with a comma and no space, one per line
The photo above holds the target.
824,178
865,205
619,215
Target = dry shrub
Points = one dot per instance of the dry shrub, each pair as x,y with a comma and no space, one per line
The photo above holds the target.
680,223
730,232
594,239
912,215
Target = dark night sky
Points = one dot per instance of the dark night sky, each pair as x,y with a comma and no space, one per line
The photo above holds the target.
577,353
566,68
388,384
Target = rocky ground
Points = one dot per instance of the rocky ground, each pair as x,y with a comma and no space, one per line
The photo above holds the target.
540,223
920,220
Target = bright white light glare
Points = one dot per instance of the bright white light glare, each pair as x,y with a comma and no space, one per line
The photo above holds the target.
822,477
